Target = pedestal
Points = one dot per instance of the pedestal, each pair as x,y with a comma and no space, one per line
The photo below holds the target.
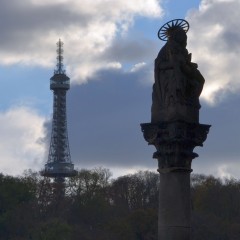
174,142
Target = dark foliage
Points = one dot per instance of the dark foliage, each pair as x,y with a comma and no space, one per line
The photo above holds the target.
95,206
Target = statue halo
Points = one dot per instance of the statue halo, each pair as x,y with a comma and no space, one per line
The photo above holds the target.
163,33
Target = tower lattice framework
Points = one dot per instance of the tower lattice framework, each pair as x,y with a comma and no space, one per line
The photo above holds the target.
59,163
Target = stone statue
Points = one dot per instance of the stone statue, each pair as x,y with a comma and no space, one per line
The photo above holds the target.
178,82
175,129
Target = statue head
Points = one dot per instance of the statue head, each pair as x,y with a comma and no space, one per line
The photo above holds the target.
174,30
177,34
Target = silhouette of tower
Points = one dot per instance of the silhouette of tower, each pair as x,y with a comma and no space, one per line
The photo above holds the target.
59,163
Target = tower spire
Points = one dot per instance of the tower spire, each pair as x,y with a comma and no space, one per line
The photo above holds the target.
59,65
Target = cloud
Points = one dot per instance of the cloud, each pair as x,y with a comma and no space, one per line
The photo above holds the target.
131,50
21,146
214,41
88,28
138,66
220,153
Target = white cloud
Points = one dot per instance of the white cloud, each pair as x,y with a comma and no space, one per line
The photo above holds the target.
20,145
88,29
138,67
205,4
214,41
223,172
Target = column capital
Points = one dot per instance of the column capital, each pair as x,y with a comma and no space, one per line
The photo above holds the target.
174,142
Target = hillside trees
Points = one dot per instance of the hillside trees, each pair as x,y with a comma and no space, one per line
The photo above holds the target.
216,208
95,206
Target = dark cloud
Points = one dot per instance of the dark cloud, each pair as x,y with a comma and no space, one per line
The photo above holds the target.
231,39
223,141
21,23
104,118
104,121
131,50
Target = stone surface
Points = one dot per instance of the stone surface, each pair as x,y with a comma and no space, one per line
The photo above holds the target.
175,130
174,142
174,221
178,82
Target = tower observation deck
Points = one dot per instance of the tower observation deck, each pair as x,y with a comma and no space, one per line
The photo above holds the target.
59,163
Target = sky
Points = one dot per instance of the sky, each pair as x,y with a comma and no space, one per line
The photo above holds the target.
109,52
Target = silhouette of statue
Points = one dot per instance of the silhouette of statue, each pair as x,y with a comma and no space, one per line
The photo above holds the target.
178,82
175,129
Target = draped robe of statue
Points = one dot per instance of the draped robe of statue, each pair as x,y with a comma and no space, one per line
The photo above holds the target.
178,82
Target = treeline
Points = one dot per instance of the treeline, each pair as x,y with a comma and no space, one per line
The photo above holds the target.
98,207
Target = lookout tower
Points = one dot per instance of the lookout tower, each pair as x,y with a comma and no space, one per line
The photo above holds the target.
59,163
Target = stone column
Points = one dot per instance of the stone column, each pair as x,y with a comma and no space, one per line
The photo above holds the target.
174,142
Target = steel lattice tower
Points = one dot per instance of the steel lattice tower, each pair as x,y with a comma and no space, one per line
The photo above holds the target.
59,163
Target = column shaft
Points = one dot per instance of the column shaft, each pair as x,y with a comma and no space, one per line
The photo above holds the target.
174,221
